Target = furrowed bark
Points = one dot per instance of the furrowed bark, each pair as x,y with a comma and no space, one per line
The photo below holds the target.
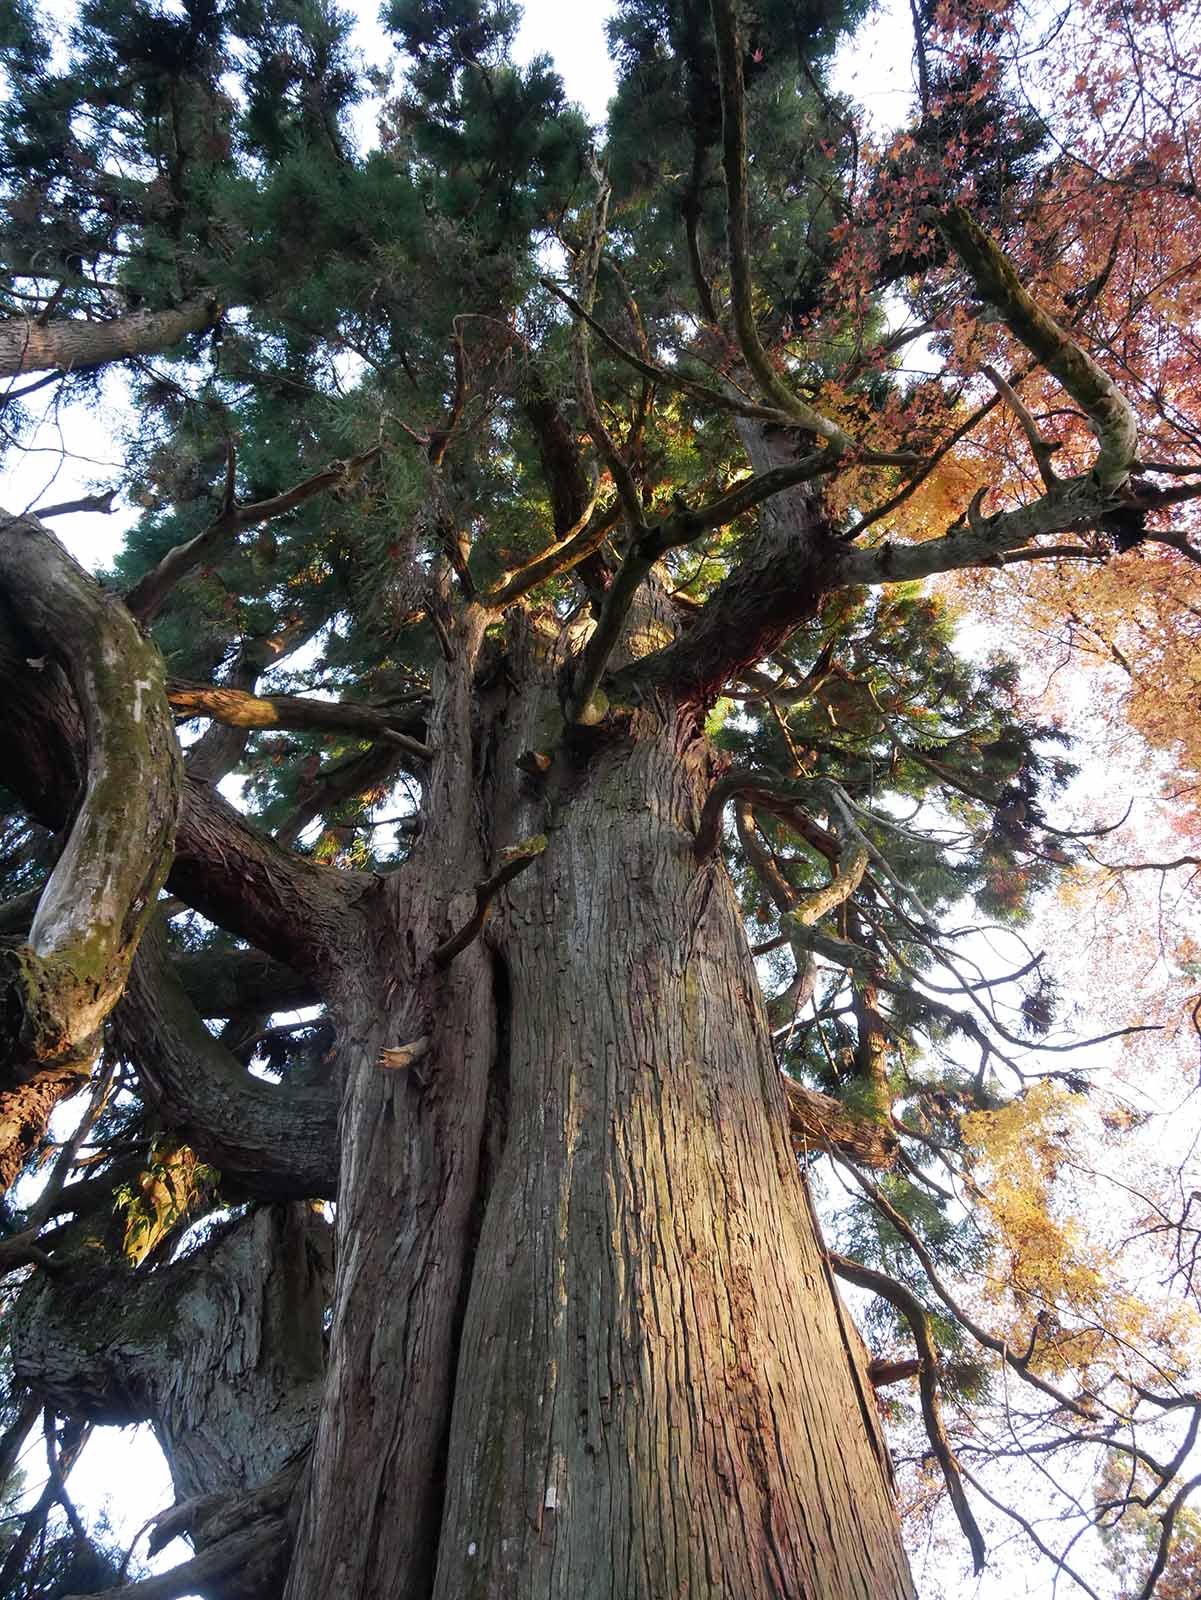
411,1144
817,1121
59,985
651,1351
294,909
222,1352
75,346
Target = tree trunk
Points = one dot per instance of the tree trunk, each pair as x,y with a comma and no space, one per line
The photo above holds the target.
583,1338
654,1392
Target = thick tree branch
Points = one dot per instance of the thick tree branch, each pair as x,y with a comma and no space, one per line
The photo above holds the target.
263,1544
222,1351
101,503
575,547
789,565
1068,504
226,983
369,771
817,1121
269,1141
240,709
295,909
28,345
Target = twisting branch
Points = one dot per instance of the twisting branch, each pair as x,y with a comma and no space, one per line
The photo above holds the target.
269,1141
1031,1533
1070,503
752,787
65,979
1168,1522
915,1314
1086,1409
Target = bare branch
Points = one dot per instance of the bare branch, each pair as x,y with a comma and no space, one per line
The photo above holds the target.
1039,448
916,1316
101,503
147,597
513,861
240,709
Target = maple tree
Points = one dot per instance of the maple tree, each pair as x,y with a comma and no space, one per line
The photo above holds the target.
627,851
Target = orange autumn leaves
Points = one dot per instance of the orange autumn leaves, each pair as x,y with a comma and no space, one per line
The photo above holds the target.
1062,1286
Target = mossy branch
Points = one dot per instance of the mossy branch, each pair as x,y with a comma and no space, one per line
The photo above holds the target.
66,978
997,282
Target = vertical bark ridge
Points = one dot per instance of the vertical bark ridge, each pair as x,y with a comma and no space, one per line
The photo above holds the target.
654,1393
411,1144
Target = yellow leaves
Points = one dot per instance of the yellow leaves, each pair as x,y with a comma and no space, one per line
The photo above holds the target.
1023,1145
175,1184
1005,1132
1060,1280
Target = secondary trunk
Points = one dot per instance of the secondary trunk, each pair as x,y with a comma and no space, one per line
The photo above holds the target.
654,1392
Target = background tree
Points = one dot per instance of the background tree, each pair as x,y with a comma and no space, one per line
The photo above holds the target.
540,526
